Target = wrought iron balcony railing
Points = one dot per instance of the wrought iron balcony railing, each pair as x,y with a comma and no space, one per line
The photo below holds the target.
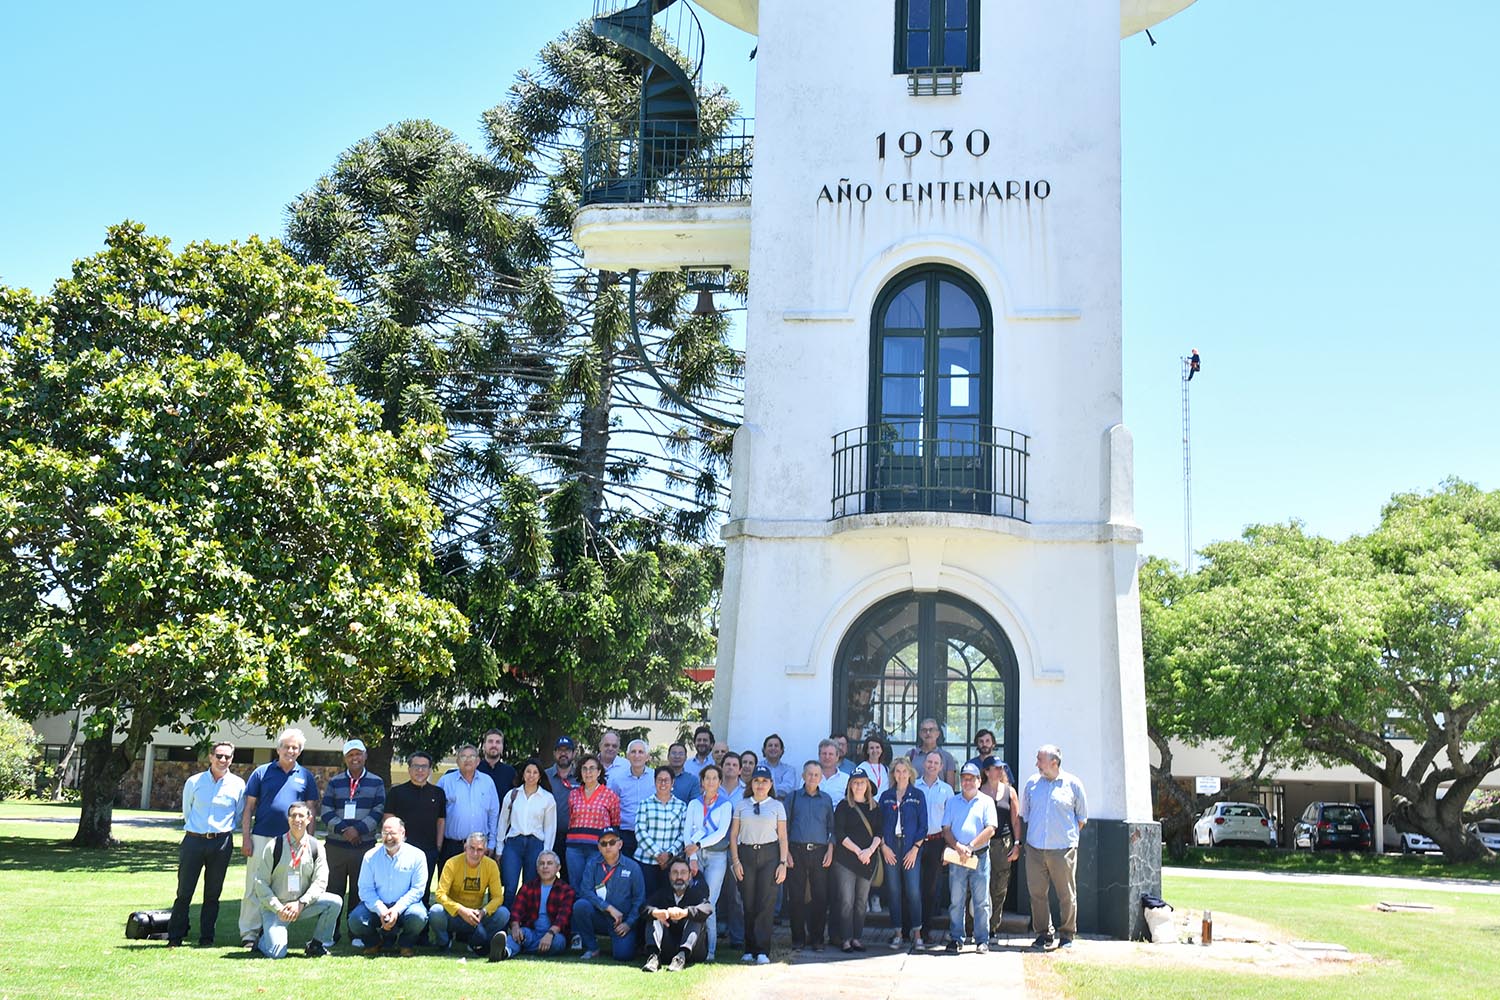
667,162
950,466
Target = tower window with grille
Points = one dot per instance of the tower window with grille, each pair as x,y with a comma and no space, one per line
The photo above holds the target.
937,35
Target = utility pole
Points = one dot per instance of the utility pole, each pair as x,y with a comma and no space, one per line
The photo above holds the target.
1187,467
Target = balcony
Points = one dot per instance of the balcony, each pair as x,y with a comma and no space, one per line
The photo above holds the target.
942,466
661,194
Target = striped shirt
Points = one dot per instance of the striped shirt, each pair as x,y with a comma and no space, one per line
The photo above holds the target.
659,828
368,796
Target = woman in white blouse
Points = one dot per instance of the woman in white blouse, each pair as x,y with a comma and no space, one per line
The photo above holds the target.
709,817
528,822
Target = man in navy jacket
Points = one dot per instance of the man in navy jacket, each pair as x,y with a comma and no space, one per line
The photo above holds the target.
610,897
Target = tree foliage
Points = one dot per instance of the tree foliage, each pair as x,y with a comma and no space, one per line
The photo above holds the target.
20,756
1381,652
575,496
197,523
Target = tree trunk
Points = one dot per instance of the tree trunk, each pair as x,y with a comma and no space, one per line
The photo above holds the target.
104,764
67,758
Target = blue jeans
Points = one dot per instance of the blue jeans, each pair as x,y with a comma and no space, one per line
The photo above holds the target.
973,883
711,868
578,860
445,928
531,941
324,910
903,894
518,865
364,924
590,923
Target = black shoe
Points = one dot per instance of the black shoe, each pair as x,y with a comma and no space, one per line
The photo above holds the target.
952,948
174,944
315,949
653,963
1064,941
498,951
1042,942
679,961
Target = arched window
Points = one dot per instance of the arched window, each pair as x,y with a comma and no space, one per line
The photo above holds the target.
937,34
916,656
930,397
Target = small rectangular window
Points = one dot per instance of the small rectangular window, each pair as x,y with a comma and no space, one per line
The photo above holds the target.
937,34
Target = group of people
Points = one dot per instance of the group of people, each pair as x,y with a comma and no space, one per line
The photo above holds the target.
602,853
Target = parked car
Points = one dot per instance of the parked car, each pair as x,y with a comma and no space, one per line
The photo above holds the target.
1339,825
1488,832
1409,841
1233,822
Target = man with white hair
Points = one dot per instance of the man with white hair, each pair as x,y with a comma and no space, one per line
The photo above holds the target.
634,785
462,911
272,789
1054,811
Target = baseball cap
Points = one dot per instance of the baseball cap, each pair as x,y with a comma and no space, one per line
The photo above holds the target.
762,771
993,760
610,831
970,768
860,772
354,745
563,741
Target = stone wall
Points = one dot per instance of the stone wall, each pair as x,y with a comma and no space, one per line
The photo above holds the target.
167,778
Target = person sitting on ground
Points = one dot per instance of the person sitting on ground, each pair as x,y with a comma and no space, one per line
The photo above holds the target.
461,910
391,880
289,881
543,912
614,892
678,914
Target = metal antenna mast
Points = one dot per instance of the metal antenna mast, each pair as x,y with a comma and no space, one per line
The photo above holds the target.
1187,468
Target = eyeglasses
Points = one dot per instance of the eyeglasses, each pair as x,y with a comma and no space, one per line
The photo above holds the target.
419,767
223,756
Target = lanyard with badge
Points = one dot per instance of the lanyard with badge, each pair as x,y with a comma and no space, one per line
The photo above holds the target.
349,807
599,889
294,866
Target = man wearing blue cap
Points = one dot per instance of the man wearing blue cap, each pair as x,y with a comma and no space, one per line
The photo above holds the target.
611,899
969,821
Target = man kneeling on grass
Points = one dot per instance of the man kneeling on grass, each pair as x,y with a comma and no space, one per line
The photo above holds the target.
392,878
678,915
614,890
461,910
543,911
288,881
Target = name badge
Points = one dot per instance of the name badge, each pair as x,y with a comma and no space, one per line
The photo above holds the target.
294,882
601,892
349,808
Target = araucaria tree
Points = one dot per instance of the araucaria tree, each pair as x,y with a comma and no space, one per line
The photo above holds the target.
196,522
576,497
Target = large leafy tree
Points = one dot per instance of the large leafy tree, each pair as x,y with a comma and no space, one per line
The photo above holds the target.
196,522
1381,652
575,496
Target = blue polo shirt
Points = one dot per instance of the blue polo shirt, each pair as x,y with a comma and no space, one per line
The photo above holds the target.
967,818
274,791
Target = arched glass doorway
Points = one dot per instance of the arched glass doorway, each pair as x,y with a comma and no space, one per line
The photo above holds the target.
912,656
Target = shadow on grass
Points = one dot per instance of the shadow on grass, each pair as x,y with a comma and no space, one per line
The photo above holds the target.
47,854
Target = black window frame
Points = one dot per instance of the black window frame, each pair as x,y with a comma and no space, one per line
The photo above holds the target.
939,9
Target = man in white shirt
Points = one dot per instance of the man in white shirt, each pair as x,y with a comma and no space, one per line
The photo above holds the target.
937,792
834,780
609,758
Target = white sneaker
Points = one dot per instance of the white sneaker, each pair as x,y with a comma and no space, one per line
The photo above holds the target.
576,943
747,958
357,942
762,959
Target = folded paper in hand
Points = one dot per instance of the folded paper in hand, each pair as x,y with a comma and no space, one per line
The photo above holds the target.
951,857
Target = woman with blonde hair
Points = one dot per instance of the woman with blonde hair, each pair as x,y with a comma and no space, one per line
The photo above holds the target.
903,811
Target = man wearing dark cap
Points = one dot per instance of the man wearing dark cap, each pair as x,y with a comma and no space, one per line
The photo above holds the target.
563,781
611,900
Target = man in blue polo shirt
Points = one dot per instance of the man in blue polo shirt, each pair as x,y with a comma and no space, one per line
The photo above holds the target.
969,821
269,793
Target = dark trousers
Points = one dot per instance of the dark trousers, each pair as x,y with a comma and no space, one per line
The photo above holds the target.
344,862
807,894
432,852
451,849
666,941
931,860
758,893
208,856
627,843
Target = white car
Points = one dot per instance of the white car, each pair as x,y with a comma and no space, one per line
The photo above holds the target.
1233,822
1488,831
1409,841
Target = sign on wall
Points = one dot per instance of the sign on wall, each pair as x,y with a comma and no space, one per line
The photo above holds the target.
941,143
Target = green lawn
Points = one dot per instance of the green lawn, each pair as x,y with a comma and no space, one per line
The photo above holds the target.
1334,862
62,923
1452,953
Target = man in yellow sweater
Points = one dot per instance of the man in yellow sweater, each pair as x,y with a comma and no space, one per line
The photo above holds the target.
468,907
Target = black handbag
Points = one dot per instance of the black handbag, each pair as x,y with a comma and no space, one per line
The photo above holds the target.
148,925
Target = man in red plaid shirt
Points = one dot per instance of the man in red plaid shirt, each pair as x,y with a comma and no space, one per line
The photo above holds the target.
539,920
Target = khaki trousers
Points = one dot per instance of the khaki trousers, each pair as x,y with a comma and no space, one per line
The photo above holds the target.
250,911
1059,868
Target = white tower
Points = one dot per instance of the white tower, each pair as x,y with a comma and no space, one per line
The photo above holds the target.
932,496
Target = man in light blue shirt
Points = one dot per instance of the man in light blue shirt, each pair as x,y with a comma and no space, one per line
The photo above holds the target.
937,792
969,821
213,802
634,785
392,878
1054,810
473,805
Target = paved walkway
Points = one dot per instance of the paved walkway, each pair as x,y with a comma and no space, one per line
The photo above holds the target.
1391,882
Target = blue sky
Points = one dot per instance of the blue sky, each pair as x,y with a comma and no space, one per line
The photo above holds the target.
1310,200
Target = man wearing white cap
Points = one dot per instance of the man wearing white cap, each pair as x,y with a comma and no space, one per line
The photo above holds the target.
353,806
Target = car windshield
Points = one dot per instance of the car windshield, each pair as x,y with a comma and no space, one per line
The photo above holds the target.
1342,814
1253,812
1489,826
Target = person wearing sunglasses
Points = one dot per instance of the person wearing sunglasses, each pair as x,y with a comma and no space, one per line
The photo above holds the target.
212,804
759,856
